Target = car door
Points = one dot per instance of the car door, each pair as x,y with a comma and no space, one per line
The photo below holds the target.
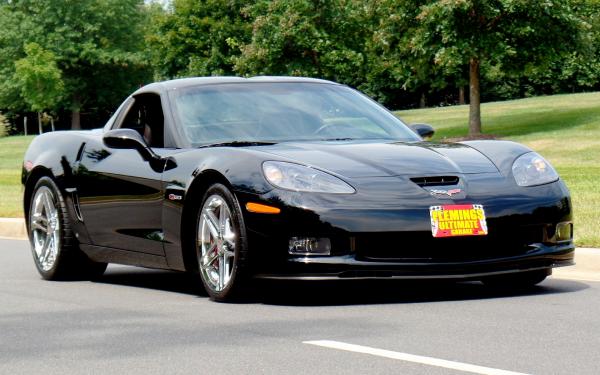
120,194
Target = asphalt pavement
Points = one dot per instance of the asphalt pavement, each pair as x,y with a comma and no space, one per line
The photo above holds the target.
154,322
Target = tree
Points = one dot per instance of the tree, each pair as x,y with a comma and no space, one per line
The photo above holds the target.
580,69
395,74
198,38
97,46
315,38
40,79
516,35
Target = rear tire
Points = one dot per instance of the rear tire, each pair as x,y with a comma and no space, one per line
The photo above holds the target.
221,244
520,280
55,250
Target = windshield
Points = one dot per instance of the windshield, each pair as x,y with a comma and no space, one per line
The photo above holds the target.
280,112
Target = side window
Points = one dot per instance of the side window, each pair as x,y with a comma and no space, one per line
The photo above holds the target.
146,117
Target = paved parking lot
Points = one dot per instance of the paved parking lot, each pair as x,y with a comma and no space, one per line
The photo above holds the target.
147,321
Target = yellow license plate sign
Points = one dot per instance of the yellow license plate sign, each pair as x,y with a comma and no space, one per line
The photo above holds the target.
453,220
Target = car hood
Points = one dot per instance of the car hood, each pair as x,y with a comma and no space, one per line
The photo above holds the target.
369,159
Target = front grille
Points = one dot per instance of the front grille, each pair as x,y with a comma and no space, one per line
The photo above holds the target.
422,246
435,180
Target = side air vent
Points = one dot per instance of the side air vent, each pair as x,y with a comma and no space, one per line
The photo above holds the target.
80,152
435,180
76,206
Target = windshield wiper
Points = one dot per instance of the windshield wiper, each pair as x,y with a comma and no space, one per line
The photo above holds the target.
338,139
237,144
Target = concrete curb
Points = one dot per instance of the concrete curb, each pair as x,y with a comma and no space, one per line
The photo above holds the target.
13,228
587,266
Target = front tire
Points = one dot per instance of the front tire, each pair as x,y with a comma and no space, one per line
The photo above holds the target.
221,244
55,249
520,280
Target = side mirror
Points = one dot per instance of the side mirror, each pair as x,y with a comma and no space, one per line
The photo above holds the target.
124,139
424,130
130,139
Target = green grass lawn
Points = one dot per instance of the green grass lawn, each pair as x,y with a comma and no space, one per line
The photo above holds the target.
563,128
12,150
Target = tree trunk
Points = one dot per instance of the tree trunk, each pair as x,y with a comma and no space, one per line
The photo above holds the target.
25,124
461,95
39,123
474,98
52,123
75,119
422,101
76,113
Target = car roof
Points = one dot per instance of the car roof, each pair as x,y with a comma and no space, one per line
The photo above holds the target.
198,81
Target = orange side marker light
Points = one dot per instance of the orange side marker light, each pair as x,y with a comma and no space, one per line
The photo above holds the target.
261,208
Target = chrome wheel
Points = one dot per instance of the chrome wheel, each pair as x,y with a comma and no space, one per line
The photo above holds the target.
44,225
216,241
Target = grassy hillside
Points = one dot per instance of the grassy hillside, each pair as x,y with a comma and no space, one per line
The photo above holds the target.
563,128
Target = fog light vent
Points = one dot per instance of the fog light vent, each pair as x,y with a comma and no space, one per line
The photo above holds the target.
564,231
309,246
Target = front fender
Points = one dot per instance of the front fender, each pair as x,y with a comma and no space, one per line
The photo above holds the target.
501,153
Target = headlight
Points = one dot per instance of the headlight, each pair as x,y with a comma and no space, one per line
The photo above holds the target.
297,177
531,169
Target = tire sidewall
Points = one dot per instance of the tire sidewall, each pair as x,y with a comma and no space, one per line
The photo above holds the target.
519,280
241,246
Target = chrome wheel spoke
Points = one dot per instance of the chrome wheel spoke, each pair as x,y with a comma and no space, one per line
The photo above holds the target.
228,257
48,204
221,272
39,205
209,258
222,219
229,235
212,222
39,223
48,249
43,254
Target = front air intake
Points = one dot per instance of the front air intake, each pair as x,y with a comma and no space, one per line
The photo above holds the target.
435,180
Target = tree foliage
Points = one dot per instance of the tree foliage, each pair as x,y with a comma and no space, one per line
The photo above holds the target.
579,68
93,53
39,78
316,38
198,38
97,47
395,67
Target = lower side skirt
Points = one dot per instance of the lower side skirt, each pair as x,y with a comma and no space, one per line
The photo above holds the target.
130,258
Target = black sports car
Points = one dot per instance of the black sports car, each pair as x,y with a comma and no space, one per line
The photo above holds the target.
279,177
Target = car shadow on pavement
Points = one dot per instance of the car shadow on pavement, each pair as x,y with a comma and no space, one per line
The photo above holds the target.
398,291
331,293
163,280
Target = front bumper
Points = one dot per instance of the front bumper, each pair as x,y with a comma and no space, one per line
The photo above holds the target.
394,240
348,267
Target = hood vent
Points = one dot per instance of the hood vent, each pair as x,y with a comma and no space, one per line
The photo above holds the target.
435,180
